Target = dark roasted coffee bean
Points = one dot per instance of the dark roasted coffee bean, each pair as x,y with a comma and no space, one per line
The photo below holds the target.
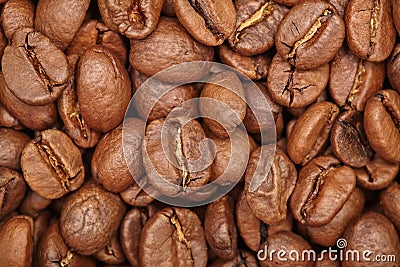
117,160
12,143
210,23
112,253
52,164
220,228
370,32
35,57
90,218
102,99
323,187
51,17
134,19
17,14
354,80
375,233
348,139
390,202
310,43
393,66
295,88
16,243
33,204
12,190
311,132
178,237
269,184
243,259
256,26
382,124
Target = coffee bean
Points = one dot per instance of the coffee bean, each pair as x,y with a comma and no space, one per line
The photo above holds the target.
396,14
392,66
112,253
52,164
33,204
7,120
340,6
17,14
12,190
310,35
12,143
390,199
134,195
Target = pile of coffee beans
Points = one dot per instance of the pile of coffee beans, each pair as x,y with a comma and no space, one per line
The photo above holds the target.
179,133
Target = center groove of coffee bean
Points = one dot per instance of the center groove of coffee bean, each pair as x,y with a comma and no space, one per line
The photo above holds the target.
79,119
181,236
180,158
254,19
289,86
310,34
357,82
204,13
100,35
67,260
375,20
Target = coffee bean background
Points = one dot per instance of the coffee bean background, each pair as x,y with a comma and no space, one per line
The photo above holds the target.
70,164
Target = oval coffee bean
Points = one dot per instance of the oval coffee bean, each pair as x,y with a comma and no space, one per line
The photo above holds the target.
35,57
210,23
370,32
52,164
310,34
12,190
33,204
382,124
390,201
17,14
90,218
12,143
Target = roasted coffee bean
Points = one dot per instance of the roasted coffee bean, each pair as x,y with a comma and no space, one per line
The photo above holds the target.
102,99
377,174
243,259
375,233
53,252
33,117
157,48
354,80
12,190
220,228
94,32
117,160
52,164
51,17
90,218
134,19
12,143
328,234
322,188
270,180
178,237
310,35
17,14
134,195
370,31
175,158
390,202
382,124
35,57
254,67
210,23
311,132
112,253
392,67
7,120
16,241
256,26
33,204
295,88
348,139
223,109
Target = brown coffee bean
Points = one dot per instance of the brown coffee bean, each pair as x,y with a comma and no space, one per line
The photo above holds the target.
295,88
134,19
134,195
117,160
178,237
256,26
370,31
310,35
90,218
373,232
210,23
35,57
12,143
157,48
112,253
382,124
12,190
220,228
390,202
40,225
33,117
269,184
94,32
7,120
323,187
60,20
348,139
102,99
311,132
52,164
243,259
17,14
222,103
33,204
16,242
392,67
